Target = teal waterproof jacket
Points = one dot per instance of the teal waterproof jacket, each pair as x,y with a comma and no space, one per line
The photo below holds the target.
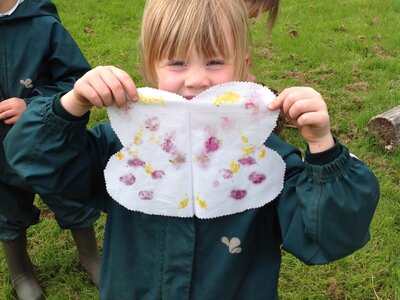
38,57
322,214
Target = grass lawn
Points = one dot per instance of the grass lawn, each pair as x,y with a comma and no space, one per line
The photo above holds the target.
348,51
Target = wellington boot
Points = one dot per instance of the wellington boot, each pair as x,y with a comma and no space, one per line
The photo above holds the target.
21,271
86,243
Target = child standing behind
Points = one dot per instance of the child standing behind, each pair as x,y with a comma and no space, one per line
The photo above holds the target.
257,7
322,214
38,57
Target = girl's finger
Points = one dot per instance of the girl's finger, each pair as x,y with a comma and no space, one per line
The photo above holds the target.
96,89
4,106
304,106
280,99
313,118
113,90
12,120
92,96
5,114
129,86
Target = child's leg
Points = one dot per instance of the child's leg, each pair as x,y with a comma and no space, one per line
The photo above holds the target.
79,219
17,213
22,275
89,257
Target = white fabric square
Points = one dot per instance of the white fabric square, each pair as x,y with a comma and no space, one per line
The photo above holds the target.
203,157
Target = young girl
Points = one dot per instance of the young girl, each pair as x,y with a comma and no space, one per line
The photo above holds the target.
322,214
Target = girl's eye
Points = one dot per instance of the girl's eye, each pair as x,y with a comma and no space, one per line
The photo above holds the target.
176,63
215,62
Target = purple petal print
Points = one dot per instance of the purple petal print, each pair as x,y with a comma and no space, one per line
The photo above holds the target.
152,124
248,161
212,144
168,146
128,179
136,162
256,178
158,174
227,174
146,195
238,194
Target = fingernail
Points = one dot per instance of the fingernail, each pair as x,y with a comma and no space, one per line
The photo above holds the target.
128,99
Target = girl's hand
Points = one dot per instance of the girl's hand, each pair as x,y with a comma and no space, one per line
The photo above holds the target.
99,87
11,109
307,110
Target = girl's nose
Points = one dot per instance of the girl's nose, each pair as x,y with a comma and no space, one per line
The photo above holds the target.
197,78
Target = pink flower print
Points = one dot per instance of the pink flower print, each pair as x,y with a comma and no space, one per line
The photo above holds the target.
255,98
212,144
227,174
146,195
203,160
124,111
227,123
136,162
247,161
250,104
238,194
152,124
256,178
168,146
128,179
158,174
254,103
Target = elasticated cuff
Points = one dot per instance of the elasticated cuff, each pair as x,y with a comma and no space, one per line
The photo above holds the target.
324,157
60,111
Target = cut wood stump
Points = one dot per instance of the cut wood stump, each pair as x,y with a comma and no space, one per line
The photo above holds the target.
387,125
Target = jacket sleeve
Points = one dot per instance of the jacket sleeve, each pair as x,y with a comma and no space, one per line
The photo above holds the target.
325,208
59,156
64,61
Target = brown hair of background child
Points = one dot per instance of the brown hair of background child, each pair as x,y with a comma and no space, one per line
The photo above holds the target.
257,7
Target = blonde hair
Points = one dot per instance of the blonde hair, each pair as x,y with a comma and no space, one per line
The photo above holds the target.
171,28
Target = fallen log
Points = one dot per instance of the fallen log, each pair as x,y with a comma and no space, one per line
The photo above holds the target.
387,125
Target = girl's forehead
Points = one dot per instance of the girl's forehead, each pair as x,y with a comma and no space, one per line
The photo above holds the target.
211,42
201,50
